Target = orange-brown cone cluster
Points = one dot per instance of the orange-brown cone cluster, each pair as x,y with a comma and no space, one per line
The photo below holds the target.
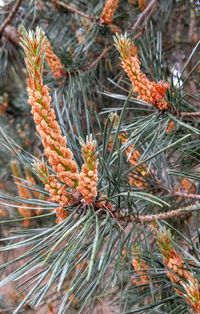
61,186
170,127
148,91
4,104
57,191
88,177
141,268
192,295
108,11
133,156
141,3
31,182
59,156
178,272
54,62
24,193
187,186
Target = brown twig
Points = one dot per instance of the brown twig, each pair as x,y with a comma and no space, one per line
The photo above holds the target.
102,54
145,15
167,215
190,114
10,15
183,114
187,195
74,10
161,216
138,35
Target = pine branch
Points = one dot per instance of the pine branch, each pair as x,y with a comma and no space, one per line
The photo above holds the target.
164,216
155,217
92,242
184,114
186,195
190,114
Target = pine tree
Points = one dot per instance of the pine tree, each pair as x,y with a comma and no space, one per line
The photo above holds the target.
100,156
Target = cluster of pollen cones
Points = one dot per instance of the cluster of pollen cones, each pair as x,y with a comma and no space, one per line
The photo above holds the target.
149,91
185,283
64,178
